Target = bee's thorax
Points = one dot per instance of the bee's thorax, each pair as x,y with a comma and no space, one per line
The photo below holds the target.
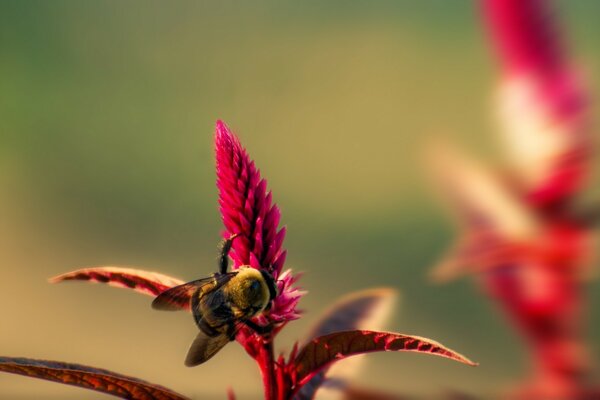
248,292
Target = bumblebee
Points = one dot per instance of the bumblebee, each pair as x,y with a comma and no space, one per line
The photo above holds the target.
220,304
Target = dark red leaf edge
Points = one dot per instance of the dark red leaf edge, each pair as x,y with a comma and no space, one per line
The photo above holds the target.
82,376
353,311
324,350
139,280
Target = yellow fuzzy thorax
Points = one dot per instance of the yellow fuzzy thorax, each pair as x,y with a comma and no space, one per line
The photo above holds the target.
241,293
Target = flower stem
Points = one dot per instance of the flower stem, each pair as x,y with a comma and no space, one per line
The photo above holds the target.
267,369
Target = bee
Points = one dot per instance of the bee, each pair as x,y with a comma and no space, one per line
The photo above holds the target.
220,304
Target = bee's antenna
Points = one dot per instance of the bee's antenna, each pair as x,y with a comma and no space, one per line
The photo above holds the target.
224,248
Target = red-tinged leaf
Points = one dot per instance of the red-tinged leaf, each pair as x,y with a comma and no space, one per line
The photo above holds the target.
146,282
82,376
366,309
477,251
324,350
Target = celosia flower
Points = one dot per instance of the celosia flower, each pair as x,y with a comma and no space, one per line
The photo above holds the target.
247,211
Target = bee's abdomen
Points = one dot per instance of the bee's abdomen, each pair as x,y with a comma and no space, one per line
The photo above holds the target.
207,328
213,313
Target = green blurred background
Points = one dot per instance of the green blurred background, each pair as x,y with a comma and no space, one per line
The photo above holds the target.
107,112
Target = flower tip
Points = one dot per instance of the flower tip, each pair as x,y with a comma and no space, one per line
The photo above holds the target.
225,139
221,128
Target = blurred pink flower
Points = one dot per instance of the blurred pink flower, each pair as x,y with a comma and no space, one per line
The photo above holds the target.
521,232
542,103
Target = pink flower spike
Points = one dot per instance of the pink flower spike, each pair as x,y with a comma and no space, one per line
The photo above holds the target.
524,36
542,102
247,210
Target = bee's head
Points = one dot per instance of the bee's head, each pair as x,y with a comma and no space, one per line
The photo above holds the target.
270,281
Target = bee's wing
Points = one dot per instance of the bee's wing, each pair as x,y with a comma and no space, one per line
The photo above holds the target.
204,347
178,297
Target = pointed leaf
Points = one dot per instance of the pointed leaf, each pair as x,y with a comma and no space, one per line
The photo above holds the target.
146,282
495,223
366,309
478,197
324,350
454,263
82,376
476,252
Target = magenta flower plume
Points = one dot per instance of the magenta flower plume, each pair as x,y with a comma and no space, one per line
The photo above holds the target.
247,211
523,35
543,101
246,206
522,233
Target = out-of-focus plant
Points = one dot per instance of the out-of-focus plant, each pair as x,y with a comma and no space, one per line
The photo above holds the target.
522,231
252,228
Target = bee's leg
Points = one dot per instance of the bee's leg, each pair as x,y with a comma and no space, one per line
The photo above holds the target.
231,331
224,248
261,330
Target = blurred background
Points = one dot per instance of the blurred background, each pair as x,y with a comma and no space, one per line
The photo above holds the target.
107,112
